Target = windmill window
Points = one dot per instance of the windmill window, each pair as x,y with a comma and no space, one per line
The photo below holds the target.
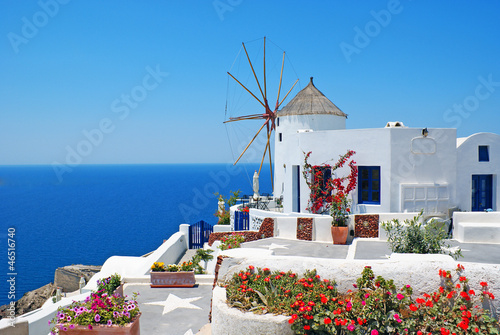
281,137
369,185
483,153
277,122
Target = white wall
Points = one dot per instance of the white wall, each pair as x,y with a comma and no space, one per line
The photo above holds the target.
405,157
288,126
371,146
424,167
468,164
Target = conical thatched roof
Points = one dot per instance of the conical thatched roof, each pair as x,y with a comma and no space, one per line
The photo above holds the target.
310,101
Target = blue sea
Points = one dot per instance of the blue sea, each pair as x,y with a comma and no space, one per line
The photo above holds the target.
97,211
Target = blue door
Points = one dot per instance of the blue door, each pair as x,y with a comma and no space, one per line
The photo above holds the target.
482,195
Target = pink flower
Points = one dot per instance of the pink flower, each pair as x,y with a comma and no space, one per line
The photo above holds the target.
351,327
400,296
374,332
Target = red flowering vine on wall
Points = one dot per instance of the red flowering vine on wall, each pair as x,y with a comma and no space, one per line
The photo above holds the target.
330,193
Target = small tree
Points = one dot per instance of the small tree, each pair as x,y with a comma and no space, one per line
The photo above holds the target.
224,214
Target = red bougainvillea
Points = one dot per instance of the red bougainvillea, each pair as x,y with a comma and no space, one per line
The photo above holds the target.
329,193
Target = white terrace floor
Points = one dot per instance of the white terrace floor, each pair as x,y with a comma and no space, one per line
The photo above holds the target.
180,311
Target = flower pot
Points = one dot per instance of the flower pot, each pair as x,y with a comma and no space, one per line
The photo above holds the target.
339,234
133,328
172,279
118,291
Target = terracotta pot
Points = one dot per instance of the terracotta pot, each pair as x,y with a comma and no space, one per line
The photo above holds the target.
339,234
132,328
172,279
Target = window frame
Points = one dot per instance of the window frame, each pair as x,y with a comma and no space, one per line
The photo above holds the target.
484,154
370,183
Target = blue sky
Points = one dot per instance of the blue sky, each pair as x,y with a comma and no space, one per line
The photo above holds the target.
68,67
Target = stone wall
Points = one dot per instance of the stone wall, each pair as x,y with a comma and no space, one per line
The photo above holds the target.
68,277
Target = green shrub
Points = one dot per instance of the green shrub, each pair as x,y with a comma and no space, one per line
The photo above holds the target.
225,215
110,284
412,236
232,241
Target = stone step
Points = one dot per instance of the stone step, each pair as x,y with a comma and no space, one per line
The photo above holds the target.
187,255
477,232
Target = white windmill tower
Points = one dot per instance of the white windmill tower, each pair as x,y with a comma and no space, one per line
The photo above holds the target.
308,111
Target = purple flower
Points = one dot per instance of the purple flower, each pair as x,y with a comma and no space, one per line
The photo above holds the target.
116,315
71,326
126,313
97,318
90,327
69,318
110,322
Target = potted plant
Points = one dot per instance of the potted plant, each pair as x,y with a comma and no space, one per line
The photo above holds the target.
111,285
172,275
99,313
339,211
179,275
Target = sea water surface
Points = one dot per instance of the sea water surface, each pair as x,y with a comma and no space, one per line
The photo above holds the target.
97,211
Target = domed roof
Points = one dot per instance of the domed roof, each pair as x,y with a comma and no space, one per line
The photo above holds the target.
310,101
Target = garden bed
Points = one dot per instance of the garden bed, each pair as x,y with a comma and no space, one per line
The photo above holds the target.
421,272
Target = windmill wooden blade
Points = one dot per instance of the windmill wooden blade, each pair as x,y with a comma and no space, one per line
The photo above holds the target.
253,95
288,92
265,89
281,77
253,139
245,117
264,155
256,79
270,160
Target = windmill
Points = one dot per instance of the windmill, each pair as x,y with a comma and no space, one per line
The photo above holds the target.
269,114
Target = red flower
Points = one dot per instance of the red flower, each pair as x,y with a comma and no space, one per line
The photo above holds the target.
327,321
306,327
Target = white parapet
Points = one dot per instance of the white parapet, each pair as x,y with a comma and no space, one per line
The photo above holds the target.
476,227
285,227
222,228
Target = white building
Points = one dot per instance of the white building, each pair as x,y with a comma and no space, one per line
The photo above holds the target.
401,169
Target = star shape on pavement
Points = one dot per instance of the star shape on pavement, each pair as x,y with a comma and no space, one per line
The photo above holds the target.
278,246
274,246
173,302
